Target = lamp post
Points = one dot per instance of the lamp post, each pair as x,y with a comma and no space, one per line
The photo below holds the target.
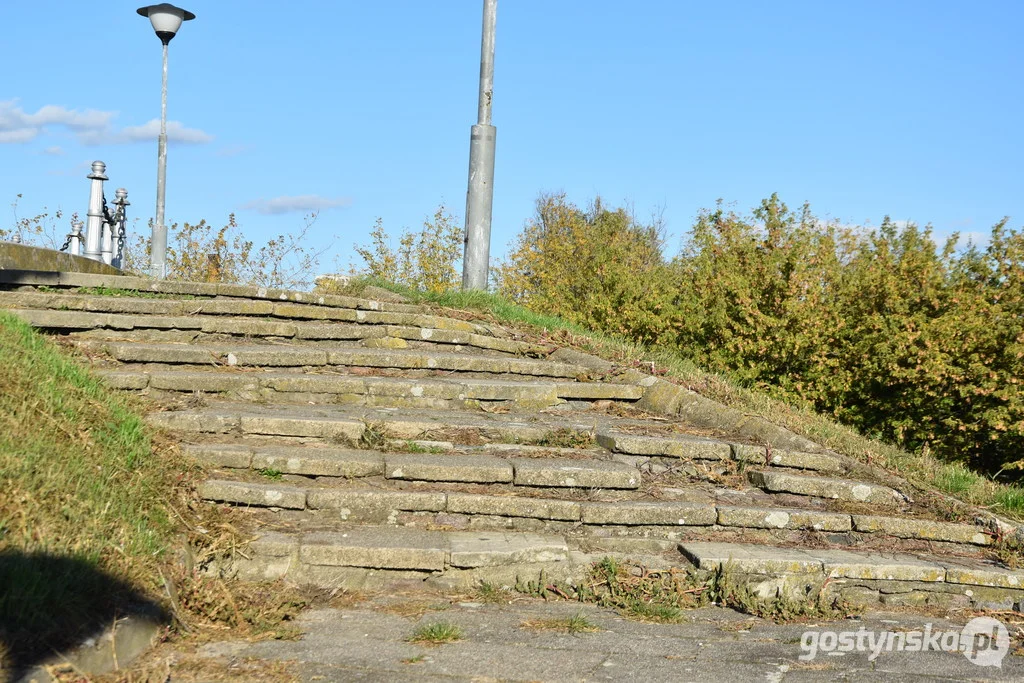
480,193
166,20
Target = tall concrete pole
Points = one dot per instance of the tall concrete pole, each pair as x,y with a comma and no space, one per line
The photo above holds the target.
158,246
479,196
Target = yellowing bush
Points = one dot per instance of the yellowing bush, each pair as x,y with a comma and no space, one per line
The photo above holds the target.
425,260
599,268
919,345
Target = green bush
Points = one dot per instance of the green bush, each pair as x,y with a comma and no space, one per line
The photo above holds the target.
919,345
598,268
425,260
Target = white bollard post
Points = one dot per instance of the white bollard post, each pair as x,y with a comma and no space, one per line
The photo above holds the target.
94,227
75,239
107,243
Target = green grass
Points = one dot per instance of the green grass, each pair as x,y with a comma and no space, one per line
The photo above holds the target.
82,491
919,468
130,293
410,446
956,480
437,633
270,473
653,611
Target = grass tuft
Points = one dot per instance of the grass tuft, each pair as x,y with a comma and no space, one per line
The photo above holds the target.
437,633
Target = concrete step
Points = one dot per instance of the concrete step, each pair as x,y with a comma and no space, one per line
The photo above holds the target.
284,355
173,328
306,388
822,487
312,555
263,308
333,423
128,285
333,462
697,448
506,507
890,579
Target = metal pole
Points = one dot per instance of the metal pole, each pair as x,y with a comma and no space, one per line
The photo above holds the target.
480,193
158,245
94,227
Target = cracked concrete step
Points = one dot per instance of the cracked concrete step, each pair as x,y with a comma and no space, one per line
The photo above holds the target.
335,462
378,504
821,487
381,505
700,448
283,355
892,579
411,549
239,307
208,289
291,387
336,422
114,323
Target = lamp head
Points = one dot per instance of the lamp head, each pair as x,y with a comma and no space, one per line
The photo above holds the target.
166,19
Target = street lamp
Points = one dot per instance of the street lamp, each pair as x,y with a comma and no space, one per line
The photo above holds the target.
480,193
166,20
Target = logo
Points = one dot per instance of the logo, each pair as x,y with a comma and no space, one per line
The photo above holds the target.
983,641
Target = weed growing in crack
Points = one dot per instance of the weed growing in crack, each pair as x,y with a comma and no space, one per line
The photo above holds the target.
437,633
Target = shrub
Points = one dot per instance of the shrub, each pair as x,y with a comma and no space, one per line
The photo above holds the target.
425,260
599,268
919,345
198,252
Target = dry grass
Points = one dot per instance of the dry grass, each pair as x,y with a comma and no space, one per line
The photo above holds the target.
577,623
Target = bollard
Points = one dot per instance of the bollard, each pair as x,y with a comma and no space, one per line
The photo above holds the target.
75,238
107,237
94,227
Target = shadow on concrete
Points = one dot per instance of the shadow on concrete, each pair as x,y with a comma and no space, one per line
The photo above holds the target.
51,604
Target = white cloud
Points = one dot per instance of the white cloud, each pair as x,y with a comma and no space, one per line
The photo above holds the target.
306,202
17,125
90,126
54,151
233,150
176,132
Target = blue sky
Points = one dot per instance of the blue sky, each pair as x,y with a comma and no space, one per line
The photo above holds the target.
363,109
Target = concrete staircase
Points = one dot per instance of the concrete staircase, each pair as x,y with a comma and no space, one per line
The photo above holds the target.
372,443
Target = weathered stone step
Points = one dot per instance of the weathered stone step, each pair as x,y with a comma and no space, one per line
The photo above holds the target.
366,557
108,325
237,307
892,579
318,462
128,283
291,387
337,422
413,549
283,355
626,517
698,448
821,487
